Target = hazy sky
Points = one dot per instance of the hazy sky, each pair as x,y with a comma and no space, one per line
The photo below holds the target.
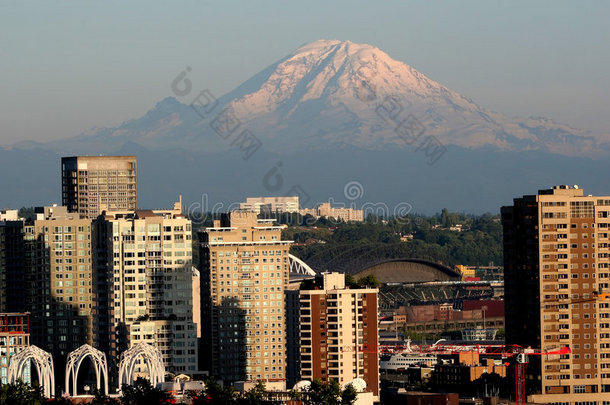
69,66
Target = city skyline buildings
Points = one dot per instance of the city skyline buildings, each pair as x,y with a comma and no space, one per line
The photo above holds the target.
105,277
271,204
562,205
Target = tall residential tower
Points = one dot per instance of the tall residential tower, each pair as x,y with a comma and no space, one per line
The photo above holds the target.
557,262
244,268
339,336
58,279
143,284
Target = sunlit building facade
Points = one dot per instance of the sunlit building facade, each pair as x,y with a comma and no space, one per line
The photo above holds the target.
557,267
244,269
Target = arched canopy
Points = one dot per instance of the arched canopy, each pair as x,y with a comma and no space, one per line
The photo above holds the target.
151,355
298,266
43,362
408,270
76,358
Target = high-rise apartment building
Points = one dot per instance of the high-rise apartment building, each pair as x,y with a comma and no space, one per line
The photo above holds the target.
144,272
92,184
271,204
244,268
556,262
338,213
58,279
339,335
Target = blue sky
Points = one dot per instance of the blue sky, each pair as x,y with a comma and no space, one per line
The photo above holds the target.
69,66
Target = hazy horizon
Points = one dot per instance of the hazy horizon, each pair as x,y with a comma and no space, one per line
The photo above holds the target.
73,66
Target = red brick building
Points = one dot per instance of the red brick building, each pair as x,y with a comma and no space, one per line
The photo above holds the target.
339,334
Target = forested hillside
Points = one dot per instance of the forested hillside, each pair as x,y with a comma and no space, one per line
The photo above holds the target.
331,245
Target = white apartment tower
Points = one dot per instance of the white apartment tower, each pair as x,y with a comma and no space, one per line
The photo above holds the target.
149,283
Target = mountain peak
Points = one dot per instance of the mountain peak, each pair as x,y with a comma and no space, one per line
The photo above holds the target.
323,45
336,93
327,83
168,103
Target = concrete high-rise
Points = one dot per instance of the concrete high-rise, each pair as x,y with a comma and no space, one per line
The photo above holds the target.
271,204
556,263
143,284
339,335
58,279
346,214
244,268
92,184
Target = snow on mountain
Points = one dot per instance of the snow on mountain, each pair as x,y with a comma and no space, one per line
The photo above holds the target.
338,93
363,116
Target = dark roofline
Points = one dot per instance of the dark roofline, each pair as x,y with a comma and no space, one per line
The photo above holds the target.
447,270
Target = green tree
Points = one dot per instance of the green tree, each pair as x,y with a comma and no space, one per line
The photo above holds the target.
255,396
215,394
26,212
369,281
445,218
99,398
350,281
348,395
20,393
143,393
328,393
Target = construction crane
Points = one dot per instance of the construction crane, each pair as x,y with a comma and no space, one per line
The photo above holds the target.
596,296
521,359
519,353
505,352
522,356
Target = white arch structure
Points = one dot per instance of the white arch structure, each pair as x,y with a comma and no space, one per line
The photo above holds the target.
43,362
298,266
151,355
75,359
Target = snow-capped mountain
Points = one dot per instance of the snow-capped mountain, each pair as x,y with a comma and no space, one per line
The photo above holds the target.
338,93
330,113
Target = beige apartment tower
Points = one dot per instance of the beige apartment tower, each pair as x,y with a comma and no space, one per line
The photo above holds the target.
244,268
92,184
557,265
271,204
